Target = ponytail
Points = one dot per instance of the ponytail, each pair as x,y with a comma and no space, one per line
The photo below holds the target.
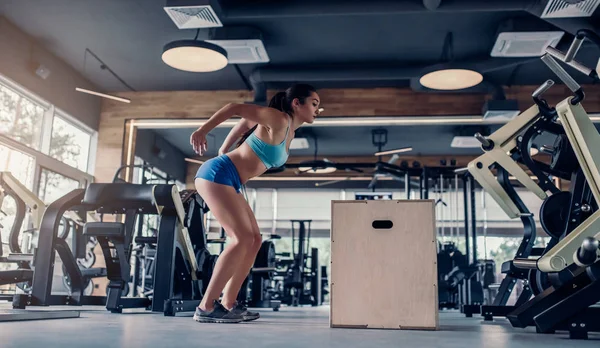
278,102
282,101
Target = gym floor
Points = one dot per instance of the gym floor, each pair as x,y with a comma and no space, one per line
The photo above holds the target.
290,327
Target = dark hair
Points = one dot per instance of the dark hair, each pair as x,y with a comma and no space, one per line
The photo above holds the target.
282,101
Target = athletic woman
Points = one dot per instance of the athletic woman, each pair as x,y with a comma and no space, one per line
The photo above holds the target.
266,133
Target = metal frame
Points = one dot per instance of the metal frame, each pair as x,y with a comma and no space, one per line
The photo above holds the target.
585,140
498,148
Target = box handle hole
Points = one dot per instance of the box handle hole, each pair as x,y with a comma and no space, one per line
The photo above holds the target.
382,224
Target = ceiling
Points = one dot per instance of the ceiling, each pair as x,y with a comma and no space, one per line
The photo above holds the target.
328,43
128,35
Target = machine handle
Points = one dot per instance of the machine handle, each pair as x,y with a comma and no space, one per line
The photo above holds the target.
573,63
547,149
486,143
561,73
575,46
588,252
543,88
525,263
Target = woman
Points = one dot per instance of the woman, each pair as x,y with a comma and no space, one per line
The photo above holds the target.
266,134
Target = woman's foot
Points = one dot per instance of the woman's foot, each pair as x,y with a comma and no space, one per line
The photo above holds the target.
240,309
218,314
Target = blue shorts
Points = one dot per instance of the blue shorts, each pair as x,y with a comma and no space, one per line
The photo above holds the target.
220,170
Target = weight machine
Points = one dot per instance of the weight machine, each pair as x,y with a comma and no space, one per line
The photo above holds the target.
25,201
570,264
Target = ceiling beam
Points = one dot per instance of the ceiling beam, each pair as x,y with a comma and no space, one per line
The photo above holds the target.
299,9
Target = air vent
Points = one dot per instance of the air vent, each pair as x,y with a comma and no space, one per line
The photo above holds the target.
525,44
561,9
465,142
243,51
192,17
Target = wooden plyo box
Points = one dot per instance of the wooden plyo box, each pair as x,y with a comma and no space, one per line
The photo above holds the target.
384,265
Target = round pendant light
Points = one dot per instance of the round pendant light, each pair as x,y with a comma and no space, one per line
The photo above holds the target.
194,56
451,79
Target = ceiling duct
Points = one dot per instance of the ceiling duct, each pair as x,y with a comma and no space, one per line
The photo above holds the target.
244,45
499,109
569,9
524,38
194,14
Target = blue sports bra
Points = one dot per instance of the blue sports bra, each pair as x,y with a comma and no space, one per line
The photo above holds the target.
270,155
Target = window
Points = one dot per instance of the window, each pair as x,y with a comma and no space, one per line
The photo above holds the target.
54,186
20,118
69,144
7,218
20,165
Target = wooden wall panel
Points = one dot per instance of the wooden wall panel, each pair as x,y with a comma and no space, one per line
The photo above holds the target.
337,102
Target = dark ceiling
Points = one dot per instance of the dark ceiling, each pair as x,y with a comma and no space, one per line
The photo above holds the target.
128,35
331,44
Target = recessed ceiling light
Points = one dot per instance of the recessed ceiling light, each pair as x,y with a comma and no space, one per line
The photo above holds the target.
312,170
451,79
194,56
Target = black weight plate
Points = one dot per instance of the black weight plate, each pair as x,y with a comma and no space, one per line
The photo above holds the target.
266,256
202,256
554,212
564,159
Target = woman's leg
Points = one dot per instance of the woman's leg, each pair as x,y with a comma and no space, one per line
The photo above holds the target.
228,207
230,293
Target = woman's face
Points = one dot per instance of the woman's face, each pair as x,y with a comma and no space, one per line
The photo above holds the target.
308,111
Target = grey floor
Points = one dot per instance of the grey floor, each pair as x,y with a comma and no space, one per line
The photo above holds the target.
290,327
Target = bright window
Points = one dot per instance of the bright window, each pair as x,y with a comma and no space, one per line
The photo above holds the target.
20,165
69,144
20,118
54,185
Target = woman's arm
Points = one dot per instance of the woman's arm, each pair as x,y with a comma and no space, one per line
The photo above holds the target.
265,116
236,132
268,117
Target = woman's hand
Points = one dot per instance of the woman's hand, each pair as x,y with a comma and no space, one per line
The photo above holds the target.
198,141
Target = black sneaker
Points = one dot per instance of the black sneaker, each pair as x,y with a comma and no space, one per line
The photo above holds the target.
240,309
219,314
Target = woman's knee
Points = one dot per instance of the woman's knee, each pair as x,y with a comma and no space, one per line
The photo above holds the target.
257,242
243,239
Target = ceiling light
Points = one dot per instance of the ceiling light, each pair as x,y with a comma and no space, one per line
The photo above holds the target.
465,142
313,170
299,143
124,100
194,56
451,79
191,160
390,152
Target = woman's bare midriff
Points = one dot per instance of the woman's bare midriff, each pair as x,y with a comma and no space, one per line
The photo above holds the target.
246,162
